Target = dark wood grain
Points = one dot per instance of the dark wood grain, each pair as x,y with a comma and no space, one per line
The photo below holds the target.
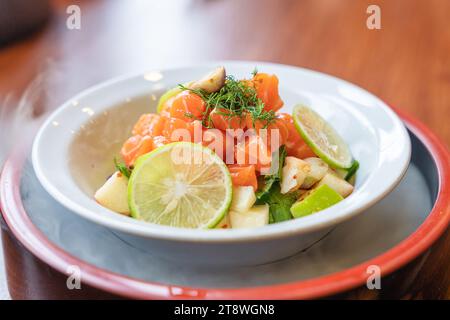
406,63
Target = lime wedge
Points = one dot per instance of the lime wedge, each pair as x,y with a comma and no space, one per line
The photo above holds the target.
315,200
181,184
322,138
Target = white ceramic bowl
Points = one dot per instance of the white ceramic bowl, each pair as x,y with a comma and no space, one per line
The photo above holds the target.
73,152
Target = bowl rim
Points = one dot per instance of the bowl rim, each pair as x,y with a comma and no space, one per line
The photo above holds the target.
410,248
319,221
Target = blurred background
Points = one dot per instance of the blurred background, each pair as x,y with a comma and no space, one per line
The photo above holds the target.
406,62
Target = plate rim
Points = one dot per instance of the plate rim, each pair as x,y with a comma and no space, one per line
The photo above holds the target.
416,243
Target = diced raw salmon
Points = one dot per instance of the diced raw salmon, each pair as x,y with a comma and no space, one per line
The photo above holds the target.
243,175
295,146
221,120
277,124
159,141
134,147
176,129
149,125
266,86
187,106
215,139
255,151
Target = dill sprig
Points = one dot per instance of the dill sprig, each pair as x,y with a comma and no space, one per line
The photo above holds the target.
235,99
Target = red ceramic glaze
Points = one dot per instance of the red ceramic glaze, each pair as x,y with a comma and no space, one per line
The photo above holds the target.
391,260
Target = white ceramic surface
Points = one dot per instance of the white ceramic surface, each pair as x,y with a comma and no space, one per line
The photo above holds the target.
71,159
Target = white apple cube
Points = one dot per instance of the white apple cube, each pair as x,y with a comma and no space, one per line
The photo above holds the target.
318,169
294,173
337,184
243,198
114,194
257,216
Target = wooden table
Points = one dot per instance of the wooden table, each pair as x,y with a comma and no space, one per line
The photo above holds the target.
406,63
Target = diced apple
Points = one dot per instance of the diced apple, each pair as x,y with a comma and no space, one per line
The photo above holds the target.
317,199
294,173
257,216
337,184
114,194
243,198
318,169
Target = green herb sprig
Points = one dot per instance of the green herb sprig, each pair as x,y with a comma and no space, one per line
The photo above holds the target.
122,168
234,99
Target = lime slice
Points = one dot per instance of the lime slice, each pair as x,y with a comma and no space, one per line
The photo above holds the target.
322,138
181,184
315,200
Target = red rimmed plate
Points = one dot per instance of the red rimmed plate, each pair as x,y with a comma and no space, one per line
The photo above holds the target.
430,156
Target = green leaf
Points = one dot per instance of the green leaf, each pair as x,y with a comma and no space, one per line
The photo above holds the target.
122,168
266,182
280,204
269,192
